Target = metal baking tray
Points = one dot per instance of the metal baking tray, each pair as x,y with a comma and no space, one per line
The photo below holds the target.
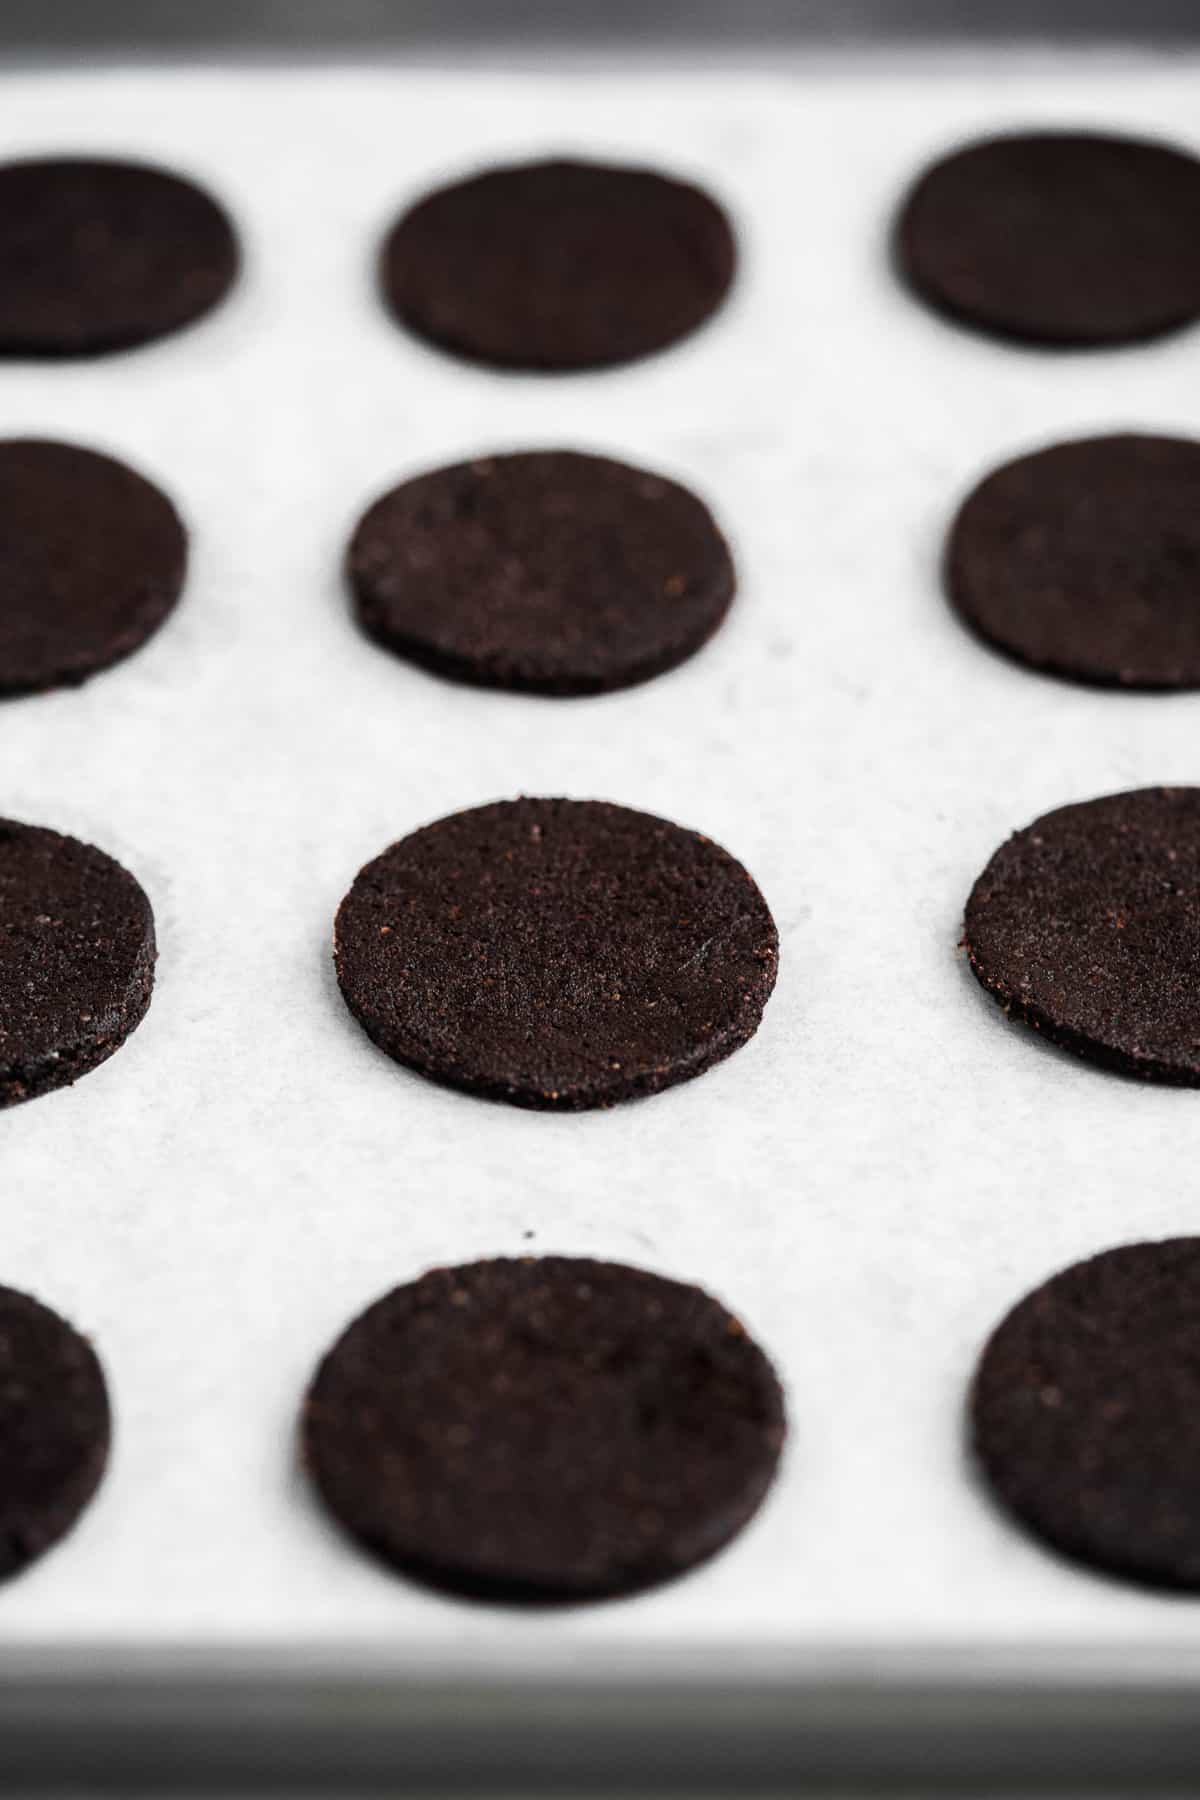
870,1182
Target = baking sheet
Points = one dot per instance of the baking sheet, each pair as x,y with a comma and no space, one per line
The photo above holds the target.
883,1170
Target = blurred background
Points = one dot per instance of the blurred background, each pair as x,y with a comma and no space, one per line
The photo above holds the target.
148,26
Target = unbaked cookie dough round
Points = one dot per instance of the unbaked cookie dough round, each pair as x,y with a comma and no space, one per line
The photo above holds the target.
549,572
557,954
1058,238
559,265
544,1430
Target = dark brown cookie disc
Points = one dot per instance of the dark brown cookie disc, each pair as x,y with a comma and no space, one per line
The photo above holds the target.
1086,1412
98,255
544,1430
559,265
76,959
54,1428
550,572
92,559
1087,926
1058,237
1084,560
556,953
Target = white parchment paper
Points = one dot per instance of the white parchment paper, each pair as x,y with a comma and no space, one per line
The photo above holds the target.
887,1166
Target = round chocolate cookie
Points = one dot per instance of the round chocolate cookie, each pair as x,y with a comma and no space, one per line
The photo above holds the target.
98,255
1058,237
550,572
92,559
54,1428
76,959
556,953
559,265
1084,560
1086,1412
544,1430
1087,926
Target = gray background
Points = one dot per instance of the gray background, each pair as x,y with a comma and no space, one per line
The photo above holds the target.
146,26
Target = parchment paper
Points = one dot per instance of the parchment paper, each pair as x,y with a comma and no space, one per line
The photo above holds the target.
887,1166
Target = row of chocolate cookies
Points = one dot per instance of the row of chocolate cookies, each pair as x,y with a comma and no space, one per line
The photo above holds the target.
1083,561
565,954
541,1429
554,1430
1056,238
552,573
564,574
553,265
1085,926
557,954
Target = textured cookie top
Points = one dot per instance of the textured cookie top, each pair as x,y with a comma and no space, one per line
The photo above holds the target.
556,953
550,1429
559,265
98,255
92,560
1058,237
1084,559
550,571
1086,1411
54,1428
76,959
1087,926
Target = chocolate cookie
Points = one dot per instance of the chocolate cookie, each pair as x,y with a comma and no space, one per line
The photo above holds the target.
545,1429
1087,926
550,572
98,255
76,959
92,559
1084,560
1086,1412
559,265
54,1428
1058,237
556,953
